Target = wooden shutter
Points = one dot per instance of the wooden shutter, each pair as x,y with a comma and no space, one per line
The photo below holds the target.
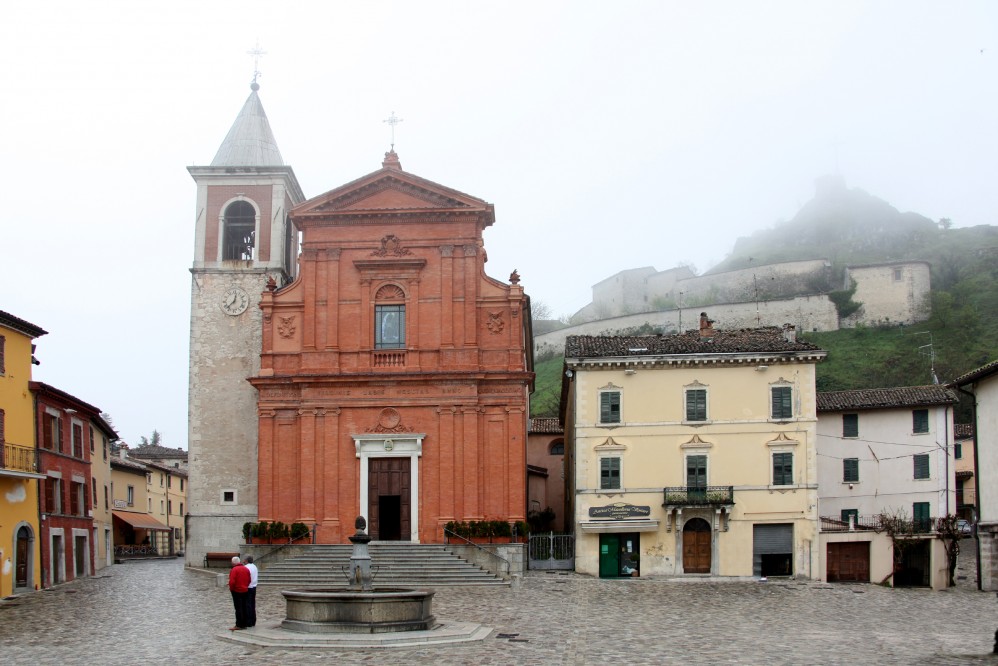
850,512
783,469
696,471
696,405
58,434
782,406
921,466
920,420
50,495
74,499
609,407
609,473
850,470
850,425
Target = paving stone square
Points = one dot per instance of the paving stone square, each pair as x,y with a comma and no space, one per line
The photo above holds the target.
157,612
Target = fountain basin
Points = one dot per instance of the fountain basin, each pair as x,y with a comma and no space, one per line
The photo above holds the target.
332,611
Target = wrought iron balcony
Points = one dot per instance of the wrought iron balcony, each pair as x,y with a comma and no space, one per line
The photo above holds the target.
706,496
18,458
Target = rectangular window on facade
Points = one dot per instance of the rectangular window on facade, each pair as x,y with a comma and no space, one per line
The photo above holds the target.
850,425
181,508
3,436
782,402
149,505
93,490
105,498
958,451
920,420
389,326
51,495
850,470
91,439
77,440
181,484
609,407
169,506
897,275
3,365
696,404
104,444
920,516
75,491
228,497
696,472
783,469
847,513
921,465
131,495
609,473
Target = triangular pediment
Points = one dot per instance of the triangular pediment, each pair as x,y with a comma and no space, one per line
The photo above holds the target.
389,190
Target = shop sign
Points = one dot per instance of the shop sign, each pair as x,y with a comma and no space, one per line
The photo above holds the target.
619,510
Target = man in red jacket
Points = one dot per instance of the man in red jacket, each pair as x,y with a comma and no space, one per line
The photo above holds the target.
239,580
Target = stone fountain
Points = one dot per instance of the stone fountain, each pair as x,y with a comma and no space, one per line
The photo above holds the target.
360,608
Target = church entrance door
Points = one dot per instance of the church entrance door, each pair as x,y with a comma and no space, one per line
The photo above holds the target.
388,498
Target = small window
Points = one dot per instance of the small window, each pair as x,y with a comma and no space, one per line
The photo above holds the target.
782,402
783,469
850,425
557,448
131,495
91,439
898,274
77,440
609,473
3,365
181,484
850,513
921,465
106,504
920,421
609,407
696,404
104,444
850,470
228,497
958,451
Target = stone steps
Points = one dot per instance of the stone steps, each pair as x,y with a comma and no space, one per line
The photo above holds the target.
392,565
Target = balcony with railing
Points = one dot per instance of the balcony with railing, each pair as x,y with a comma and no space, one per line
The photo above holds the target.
707,496
16,458
876,524
388,358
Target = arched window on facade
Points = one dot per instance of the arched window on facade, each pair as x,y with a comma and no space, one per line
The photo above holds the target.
239,238
557,448
389,318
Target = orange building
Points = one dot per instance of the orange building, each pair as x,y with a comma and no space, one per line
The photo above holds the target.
394,372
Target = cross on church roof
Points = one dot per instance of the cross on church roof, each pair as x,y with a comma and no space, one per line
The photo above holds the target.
257,53
393,120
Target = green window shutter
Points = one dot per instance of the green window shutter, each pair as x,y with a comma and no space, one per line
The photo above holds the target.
609,407
921,465
696,405
958,450
850,470
696,471
850,512
920,516
920,420
609,473
783,469
850,425
782,405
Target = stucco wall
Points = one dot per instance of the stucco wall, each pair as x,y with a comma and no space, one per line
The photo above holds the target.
987,458
890,293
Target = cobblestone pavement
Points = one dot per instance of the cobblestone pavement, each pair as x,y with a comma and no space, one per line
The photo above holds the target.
157,612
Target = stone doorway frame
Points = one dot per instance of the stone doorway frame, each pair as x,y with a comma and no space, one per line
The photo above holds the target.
391,445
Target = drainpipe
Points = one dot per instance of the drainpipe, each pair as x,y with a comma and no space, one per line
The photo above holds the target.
977,484
946,451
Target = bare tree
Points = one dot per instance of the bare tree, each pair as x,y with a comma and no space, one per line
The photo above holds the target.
540,310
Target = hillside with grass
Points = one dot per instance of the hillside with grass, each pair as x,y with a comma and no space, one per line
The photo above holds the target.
851,227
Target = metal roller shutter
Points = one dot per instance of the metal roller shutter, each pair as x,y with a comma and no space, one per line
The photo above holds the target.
768,540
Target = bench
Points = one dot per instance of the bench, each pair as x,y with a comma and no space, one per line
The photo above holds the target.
218,557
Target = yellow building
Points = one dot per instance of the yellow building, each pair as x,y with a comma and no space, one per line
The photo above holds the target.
692,454
167,490
20,555
137,531
102,435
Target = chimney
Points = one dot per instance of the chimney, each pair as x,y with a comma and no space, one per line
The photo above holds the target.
790,333
706,326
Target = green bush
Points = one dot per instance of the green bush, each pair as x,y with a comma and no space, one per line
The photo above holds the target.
247,531
299,531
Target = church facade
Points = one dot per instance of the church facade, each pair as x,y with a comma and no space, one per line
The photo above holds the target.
373,370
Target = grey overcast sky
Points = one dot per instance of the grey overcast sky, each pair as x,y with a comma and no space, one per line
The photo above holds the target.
609,135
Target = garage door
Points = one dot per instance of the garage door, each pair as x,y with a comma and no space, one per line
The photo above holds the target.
848,562
772,550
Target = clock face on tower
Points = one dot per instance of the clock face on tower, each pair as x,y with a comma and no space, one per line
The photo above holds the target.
234,301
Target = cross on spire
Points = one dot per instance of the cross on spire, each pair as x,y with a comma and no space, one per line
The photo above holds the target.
393,120
257,53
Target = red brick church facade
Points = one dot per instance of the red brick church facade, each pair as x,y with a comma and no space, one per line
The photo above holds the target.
394,373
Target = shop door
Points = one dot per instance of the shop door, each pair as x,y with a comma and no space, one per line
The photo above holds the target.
609,555
696,546
773,550
388,499
848,562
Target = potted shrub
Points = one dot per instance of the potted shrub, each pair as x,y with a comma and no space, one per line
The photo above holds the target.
261,532
299,531
278,532
247,532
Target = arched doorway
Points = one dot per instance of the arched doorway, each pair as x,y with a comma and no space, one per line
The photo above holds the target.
22,559
696,546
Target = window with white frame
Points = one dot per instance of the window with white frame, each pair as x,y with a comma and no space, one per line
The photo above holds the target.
609,407
609,473
783,469
228,496
781,399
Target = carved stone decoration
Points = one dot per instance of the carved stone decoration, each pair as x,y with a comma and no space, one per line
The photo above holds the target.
286,326
446,250
495,323
390,421
470,250
514,277
390,292
391,246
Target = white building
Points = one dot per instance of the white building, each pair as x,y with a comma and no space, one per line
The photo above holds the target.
982,384
887,449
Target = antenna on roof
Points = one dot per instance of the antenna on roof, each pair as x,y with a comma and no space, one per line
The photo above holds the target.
931,353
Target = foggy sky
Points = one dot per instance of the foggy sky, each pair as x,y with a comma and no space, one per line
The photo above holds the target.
608,136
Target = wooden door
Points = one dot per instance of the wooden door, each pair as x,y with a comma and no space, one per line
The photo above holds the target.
23,557
848,562
388,499
696,546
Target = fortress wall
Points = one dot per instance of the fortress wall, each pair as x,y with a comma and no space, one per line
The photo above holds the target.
808,313
890,293
771,280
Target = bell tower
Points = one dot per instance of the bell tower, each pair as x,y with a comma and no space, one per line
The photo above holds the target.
244,243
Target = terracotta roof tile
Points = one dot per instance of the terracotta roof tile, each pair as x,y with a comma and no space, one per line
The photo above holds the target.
545,426
760,340
978,373
881,398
